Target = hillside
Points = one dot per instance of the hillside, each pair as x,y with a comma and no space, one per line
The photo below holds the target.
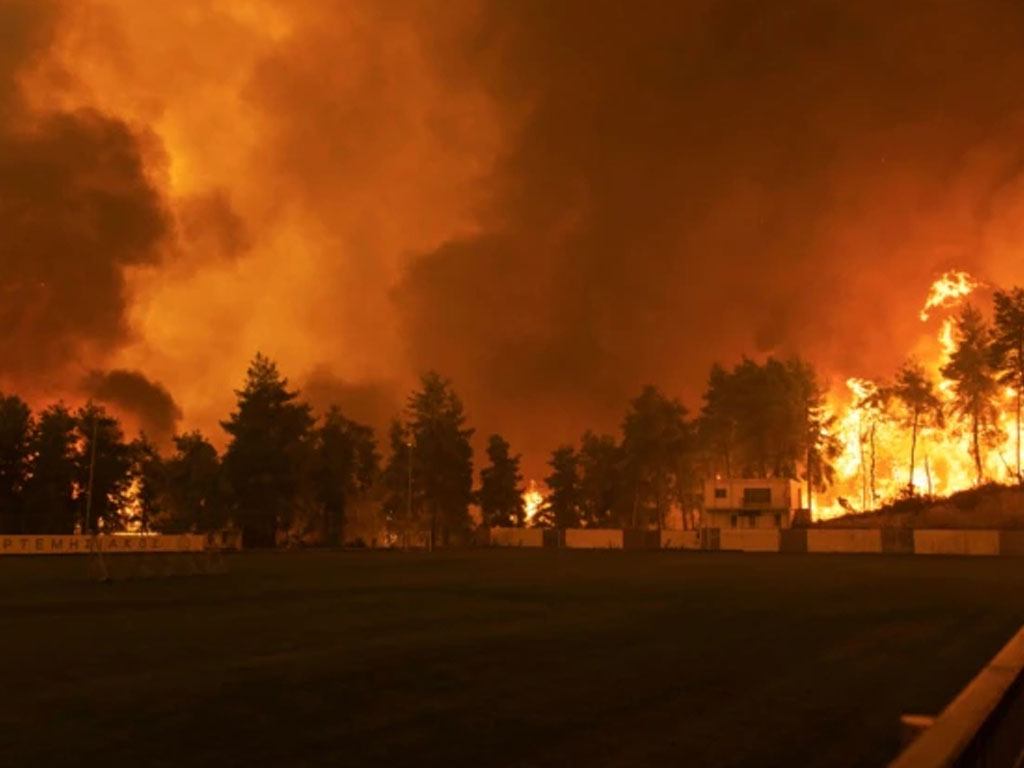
988,506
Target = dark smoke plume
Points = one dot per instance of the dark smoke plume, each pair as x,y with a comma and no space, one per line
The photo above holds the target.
76,210
370,403
697,180
130,392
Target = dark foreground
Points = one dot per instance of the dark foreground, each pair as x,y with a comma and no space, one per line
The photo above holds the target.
493,658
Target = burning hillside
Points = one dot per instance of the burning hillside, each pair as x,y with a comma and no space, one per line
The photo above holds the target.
885,456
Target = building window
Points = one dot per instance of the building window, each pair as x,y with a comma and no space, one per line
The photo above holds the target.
757,495
720,493
733,521
778,520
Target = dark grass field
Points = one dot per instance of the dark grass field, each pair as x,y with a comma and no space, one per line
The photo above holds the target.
493,658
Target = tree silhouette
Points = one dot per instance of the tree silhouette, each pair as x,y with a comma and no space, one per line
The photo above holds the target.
767,420
442,458
811,427
916,392
345,463
402,503
655,440
1008,351
103,469
15,453
562,505
974,382
196,493
49,498
718,426
501,486
602,495
267,456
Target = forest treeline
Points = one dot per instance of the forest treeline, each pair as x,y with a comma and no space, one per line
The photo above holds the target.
288,471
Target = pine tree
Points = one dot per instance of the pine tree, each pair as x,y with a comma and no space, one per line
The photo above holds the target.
442,457
603,496
655,440
267,459
196,493
345,463
1007,350
402,503
562,505
103,471
916,392
15,451
49,496
974,382
501,490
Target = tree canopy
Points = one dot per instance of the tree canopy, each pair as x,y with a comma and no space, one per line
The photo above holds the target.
501,486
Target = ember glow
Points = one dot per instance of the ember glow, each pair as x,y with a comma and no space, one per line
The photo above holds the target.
948,291
874,465
533,499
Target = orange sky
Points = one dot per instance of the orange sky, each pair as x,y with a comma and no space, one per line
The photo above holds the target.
552,205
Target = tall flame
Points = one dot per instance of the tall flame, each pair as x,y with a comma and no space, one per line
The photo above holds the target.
874,464
948,291
532,501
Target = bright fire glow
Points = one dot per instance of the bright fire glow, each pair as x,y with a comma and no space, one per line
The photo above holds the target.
874,464
532,501
948,291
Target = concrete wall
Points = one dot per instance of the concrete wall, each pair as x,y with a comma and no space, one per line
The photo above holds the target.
516,537
897,541
952,542
791,540
760,519
640,539
749,540
79,545
844,540
680,540
593,538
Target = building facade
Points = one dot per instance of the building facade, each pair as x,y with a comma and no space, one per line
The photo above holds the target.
753,503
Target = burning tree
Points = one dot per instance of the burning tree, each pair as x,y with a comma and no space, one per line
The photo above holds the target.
922,406
973,380
1007,350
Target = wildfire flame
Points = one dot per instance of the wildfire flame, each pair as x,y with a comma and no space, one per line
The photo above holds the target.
532,501
874,465
948,291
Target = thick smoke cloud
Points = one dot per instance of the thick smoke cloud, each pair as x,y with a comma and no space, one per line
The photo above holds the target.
372,403
694,181
76,211
551,203
146,403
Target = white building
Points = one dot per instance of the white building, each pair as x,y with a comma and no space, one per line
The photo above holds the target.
752,503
